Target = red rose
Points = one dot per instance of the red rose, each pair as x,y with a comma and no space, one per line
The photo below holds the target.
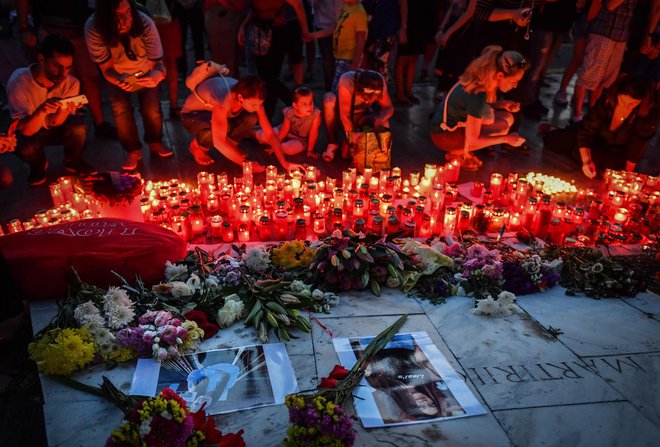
197,316
339,372
232,440
328,382
210,329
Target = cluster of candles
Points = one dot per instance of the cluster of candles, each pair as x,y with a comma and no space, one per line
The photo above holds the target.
69,204
303,205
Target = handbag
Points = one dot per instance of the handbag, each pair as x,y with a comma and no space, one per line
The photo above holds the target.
371,149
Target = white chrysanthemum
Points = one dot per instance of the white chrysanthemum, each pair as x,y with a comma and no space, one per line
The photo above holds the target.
509,309
145,427
120,316
194,282
317,294
256,259
180,289
94,323
103,336
487,306
174,270
117,296
298,286
505,298
83,312
331,299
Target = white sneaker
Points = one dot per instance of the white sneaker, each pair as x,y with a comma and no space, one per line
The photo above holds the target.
329,153
561,98
132,160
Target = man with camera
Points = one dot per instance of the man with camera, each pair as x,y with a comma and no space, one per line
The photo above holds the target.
41,98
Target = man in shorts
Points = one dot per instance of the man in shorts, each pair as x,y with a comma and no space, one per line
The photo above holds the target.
606,44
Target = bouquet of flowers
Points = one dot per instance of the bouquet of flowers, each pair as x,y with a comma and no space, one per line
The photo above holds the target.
587,270
481,271
348,261
526,274
63,351
166,420
502,305
293,254
114,188
161,335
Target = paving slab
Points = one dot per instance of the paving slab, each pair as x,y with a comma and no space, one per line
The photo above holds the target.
647,302
362,303
594,327
635,376
611,424
514,362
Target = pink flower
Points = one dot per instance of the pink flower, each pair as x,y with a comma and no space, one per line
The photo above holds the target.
477,251
148,336
162,318
168,334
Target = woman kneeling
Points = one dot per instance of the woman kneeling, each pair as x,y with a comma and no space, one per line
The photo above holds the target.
470,117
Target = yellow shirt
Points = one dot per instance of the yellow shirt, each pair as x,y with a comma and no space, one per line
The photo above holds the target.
351,20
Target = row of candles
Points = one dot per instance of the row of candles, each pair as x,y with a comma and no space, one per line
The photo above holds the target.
304,205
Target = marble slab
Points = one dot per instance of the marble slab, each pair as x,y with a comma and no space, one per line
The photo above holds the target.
594,327
636,377
80,423
514,362
456,432
647,302
608,424
363,303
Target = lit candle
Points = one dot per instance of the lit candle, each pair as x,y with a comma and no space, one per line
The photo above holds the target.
477,189
621,216
243,233
496,185
227,232
450,219
216,226
430,170
515,221
56,194
14,226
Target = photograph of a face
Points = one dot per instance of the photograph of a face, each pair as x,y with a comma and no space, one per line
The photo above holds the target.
407,382
226,380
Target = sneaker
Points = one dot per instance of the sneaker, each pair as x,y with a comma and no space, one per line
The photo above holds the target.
561,98
161,150
199,154
38,176
132,160
79,167
330,152
105,130
470,164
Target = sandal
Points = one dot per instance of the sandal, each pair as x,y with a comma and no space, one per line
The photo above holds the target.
329,153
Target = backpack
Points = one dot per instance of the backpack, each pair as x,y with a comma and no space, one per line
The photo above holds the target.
202,72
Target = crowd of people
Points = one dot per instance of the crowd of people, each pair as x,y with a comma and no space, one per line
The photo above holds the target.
491,57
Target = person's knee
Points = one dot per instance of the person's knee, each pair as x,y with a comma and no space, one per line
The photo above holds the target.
508,118
329,101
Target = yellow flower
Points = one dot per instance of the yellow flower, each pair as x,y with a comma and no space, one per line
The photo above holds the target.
292,254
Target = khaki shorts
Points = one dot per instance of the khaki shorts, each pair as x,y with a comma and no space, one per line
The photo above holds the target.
602,61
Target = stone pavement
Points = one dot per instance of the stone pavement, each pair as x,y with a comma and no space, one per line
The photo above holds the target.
593,383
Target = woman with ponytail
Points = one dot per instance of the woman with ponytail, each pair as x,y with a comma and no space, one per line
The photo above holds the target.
471,117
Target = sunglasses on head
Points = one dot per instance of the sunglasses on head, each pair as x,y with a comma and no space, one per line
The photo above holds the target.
370,91
507,65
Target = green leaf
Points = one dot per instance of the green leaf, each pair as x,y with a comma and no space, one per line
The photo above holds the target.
365,278
375,287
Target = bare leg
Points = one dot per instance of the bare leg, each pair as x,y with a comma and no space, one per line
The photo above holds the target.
409,74
579,46
298,73
292,147
399,69
330,117
578,100
500,126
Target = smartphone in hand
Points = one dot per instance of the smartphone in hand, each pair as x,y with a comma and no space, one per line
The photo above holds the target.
77,100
